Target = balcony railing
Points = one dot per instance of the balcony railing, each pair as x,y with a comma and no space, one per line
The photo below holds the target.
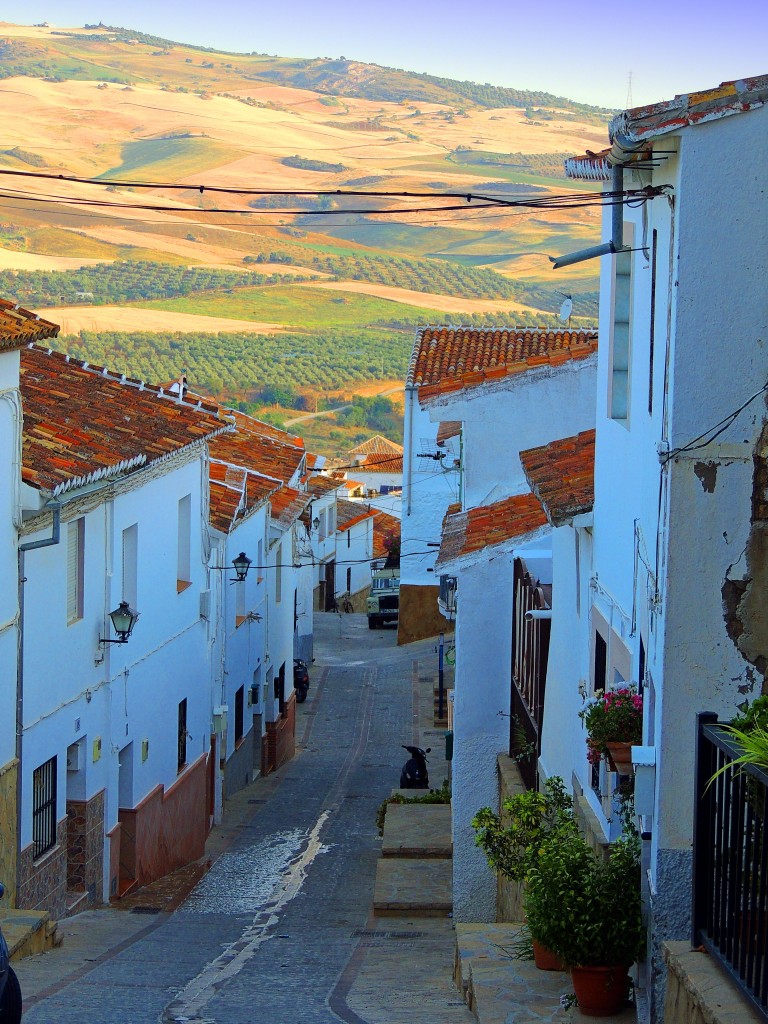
730,866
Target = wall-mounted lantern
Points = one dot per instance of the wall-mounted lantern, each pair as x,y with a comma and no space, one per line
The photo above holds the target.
123,620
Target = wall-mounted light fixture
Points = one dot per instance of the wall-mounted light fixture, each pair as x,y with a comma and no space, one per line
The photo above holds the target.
123,620
241,566
315,523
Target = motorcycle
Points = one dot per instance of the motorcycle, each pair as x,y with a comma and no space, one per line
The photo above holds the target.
300,679
10,991
414,774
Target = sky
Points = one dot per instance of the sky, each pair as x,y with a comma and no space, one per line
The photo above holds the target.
613,55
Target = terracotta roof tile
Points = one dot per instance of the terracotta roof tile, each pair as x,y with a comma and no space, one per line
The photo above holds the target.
83,424
235,494
318,485
348,513
447,430
488,525
377,445
385,528
561,475
261,454
446,359
380,464
19,327
288,504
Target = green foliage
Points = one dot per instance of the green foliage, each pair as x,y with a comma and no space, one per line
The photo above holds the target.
615,716
585,909
306,164
246,364
510,841
434,796
378,414
122,281
749,731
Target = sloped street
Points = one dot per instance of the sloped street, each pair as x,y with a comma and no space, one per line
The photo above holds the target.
280,928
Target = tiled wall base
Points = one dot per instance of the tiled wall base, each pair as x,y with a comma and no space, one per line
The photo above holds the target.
280,740
166,830
85,846
239,767
43,883
8,821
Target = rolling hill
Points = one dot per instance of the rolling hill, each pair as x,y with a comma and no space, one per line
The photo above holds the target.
154,127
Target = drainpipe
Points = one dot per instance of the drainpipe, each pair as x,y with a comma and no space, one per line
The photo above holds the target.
616,243
55,508
410,395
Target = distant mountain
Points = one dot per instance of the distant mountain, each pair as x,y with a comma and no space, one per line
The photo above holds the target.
334,77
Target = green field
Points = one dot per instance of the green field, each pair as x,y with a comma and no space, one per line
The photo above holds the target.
170,158
301,308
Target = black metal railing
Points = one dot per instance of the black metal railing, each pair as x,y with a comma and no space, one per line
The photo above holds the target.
730,861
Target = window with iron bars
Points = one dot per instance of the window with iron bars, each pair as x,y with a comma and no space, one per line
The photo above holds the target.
44,808
182,735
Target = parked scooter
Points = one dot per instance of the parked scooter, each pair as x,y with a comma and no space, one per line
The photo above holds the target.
414,774
10,992
300,682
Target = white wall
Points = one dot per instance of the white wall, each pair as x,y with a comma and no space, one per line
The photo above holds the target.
354,551
280,632
10,448
76,689
481,723
428,490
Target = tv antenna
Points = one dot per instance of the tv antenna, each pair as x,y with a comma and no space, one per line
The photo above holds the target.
629,91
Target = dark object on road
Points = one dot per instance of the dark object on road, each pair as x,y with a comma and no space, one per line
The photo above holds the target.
300,682
414,774
10,992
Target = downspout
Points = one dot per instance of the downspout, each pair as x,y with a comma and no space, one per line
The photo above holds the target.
410,392
55,508
616,243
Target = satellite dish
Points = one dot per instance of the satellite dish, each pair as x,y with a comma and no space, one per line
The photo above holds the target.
566,309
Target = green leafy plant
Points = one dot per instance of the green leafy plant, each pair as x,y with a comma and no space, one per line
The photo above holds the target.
615,716
510,840
586,909
434,796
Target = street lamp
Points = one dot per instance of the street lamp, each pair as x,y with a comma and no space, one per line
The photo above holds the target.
123,620
241,565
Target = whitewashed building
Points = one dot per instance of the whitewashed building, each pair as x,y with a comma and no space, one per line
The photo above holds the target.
670,575
509,389
354,551
321,513
116,788
18,327
377,465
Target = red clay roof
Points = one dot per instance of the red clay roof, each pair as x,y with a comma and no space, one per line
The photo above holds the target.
488,525
234,494
318,485
377,445
562,476
265,429
447,430
385,529
349,513
447,359
261,454
288,504
19,327
83,424
380,464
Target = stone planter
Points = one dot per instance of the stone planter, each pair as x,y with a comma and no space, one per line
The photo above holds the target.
620,757
601,991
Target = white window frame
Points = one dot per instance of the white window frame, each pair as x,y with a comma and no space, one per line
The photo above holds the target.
75,570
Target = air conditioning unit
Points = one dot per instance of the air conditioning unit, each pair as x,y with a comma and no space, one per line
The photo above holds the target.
73,757
205,604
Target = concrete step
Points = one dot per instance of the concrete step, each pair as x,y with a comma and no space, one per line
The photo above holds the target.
417,831
76,901
28,932
408,887
500,989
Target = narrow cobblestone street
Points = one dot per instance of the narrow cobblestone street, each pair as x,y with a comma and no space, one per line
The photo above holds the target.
280,928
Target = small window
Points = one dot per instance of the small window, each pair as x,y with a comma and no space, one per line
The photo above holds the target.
279,576
239,714
322,530
349,538
600,663
184,547
618,402
75,569
181,759
130,565
349,580
332,519
44,808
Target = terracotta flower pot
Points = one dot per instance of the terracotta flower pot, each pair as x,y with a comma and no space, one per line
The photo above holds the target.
545,959
601,991
620,757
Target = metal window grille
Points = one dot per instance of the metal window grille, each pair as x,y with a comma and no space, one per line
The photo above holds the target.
44,808
182,754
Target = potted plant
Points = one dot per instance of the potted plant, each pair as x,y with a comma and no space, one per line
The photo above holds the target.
588,911
511,840
614,722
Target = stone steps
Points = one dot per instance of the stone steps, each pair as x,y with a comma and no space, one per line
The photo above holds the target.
417,831
28,932
409,887
500,989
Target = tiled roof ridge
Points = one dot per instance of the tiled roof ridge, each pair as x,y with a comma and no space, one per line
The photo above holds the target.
491,355
734,97
121,378
252,472
24,327
471,531
561,475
